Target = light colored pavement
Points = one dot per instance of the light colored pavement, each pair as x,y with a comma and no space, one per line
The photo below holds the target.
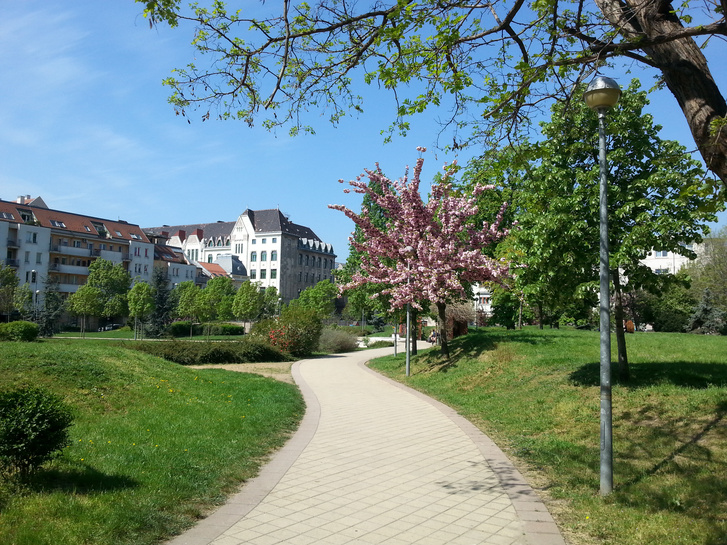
375,462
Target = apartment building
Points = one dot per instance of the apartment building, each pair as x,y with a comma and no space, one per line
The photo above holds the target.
271,249
40,242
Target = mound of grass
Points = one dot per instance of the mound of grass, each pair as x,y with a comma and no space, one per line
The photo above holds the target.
154,445
536,393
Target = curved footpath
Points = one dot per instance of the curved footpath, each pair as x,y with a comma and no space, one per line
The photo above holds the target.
375,462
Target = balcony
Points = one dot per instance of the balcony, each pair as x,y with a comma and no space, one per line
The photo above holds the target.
12,243
14,263
70,250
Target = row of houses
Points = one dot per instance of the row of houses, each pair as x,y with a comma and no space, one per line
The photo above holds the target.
39,242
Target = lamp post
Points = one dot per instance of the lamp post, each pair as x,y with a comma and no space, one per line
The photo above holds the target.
408,250
601,95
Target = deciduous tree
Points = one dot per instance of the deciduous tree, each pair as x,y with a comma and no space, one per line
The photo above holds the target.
493,63
141,304
429,251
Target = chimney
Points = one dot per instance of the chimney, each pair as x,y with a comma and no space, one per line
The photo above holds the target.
24,199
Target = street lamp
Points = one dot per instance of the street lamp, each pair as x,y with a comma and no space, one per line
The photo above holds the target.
601,95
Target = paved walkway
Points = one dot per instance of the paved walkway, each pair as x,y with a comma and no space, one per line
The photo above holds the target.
375,462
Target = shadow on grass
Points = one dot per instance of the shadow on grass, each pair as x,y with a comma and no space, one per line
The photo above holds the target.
679,373
78,481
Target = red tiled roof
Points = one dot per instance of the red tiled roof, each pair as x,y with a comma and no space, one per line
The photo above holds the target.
213,269
72,223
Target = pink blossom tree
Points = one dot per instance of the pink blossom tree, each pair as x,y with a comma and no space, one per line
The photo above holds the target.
428,251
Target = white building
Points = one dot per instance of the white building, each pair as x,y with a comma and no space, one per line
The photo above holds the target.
39,242
272,250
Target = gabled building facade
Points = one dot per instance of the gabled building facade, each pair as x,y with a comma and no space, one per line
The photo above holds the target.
39,242
272,250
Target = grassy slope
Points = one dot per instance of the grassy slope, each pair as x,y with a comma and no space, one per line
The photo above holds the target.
536,393
153,446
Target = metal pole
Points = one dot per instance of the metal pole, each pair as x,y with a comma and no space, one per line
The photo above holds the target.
605,315
408,340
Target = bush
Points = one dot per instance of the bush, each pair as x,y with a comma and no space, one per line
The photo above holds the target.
248,350
226,329
296,332
181,329
381,344
335,341
33,428
19,331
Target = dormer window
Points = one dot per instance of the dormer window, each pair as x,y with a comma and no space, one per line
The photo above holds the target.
56,223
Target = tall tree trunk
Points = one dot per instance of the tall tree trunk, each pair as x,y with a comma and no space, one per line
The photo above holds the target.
442,309
623,360
684,69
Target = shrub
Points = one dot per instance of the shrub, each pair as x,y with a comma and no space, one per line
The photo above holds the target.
181,329
297,331
33,428
248,350
226,329
335,341
19,331
381,344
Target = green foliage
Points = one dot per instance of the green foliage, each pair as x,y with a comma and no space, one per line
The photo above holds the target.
19,331
184,328
248,302
164,303
141,301
186,294
215,301
33,428
248,350
23,301
297,331
708,319
8,284
113,282
320,298
336,340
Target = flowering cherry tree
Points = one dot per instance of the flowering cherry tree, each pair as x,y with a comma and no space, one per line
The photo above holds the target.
427,251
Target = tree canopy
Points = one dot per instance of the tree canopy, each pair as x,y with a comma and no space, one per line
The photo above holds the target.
493,64
427,251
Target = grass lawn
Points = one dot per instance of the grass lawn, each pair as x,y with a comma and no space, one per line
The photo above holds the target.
154,445
536,393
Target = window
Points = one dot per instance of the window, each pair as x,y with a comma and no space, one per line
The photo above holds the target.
76,243
7,215
661,271
263,256
146,252
662,253
264,240
56,223
300,259
273,274
253,274
118,234
27,257
135,236
275,240
33,238
274,255
254,241
209,258
307,260
300,277
253,256
263,274
319,262
87,228
39,257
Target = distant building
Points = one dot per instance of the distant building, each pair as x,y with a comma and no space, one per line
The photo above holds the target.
39,242
270,250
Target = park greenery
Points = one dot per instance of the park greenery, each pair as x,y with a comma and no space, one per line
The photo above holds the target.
135,416
487,68
535,393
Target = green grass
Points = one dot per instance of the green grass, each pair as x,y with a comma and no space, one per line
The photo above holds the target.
536,393
154,445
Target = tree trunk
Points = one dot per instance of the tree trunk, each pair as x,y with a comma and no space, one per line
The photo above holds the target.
623,360
684,70
540,315
442,309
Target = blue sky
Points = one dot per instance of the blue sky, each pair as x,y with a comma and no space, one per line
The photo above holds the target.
85,123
